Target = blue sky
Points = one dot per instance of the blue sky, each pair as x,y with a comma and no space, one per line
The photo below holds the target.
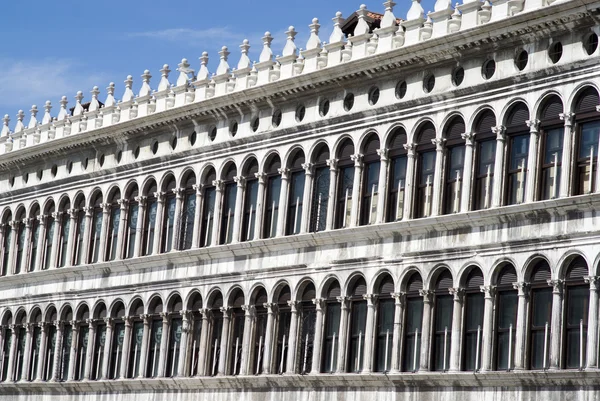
59,47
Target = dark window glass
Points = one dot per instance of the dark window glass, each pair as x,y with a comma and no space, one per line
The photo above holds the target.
320,199
132,221
259,339
271,206
425,184
174,348
236,342
35,353
370,195
344,196
6,346
331,337
356,346
215,343
484,179
473,324
149,226
541,318
208,215
576,325
187,219
135,352
20,247
168,223
295,203
48,370
249,217
228,213
397,188
63,241
113,232
308,317
384,335
442,332
517,169
195,345
154,348
454,179
79,237
489,69
81,352
66,352
506,328
587,156
98,355
283,335
116,350
94,252
412,337
551,163
6,248
50,224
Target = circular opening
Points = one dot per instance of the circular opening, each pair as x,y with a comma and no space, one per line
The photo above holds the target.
69,167
233,128
349,102
458,76
174,143
193,137
54,170
40,174
373,96
25,178
136,152
300,113
119,156
521,60
555,52
11,181
324,107
429,83
155,147
276,119
401,89
255,124
84,164
590,43
212,134
101,160
488,69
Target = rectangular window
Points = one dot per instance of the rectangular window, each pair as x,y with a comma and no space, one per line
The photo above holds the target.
517,169
154,348
215,343
35,353
35,235
6,353
116,351
344,196
295,203
208,215
576,327
358,322
98,356
541,319
271,206
135,351
259,340
113,233
132,220
320,200
385,334
50,352
20,357
425,183
64,240
454,179
79,233
65,358
412,338
484,174
551,163
237,340
397,187
331,337
283,335
187,220
473,325
444,306
149,227
168,224
6,248
50,224
195,350
174,347
587,156
506,328
249,219
97,230
370,194
304,358
20,248
228,213
82,344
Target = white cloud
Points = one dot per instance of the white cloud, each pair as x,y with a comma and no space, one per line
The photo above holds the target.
185,34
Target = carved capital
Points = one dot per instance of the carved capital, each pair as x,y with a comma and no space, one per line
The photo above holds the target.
500,132
343,301
318,302
219,185
108,321
178,192
106,207
534,126
383,154
357,159
399,297
293,305
308,168
261,177
160,196
458,293
332,163
488,290
592,281
249,310
205,312
568,118
522,288
411,149
371,299
270,307
426,294
285,173
557,286
225,310
439,143
468,137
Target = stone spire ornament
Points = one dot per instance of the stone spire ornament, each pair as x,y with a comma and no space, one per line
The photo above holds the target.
110,95
78,110
5,129
389,19
337,35
203,74
244,63
337,41
94,104
63,113
289,55
47,117
128,95
415,11
20,126
223,68
362,27
164,84
145,90
455,21
388,29
414,21
33,122
202,81
184,93
313,47
185,72
361,35
266,55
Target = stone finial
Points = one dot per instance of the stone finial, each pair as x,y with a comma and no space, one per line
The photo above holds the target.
389,19
20,126
184,72
128,95
455,20
415,11
145,90
337,35
63,113
427,30
33,120
485,14
47,108
5,129
244,62
290,46
362,27
164,79
442,5
110,95
203,74
94,104
223,67
78,110
267,53
313,41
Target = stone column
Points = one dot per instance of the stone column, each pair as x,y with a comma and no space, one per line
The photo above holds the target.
369,337
12,356
164,345
383,181
283,201
498,193
223,358
358,168
58,354
268,350
27,353
426,330
520,337
144,351
293,338
198,215
239,208
468,175
125,354
203,346
566,162
177,229
260,200
139,227
40,243
438,177
532,161
120,251
306,198
409,189
249,314
488,328
342,335
107,351
90,349
86,235
592,329
74,354
456,338
24,268
39,374
556,325
72,238
158,225
333,173
400,298
219,188
318,340
183,343
103,254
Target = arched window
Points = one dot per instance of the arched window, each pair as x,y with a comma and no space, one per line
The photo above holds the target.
82,342
320,190
307,320
49,356
34,353
283,330
413,320
260,331
6,240
295,202
385,325
67,344
172,363
473,321
20,248
250,201
485,153
208,207
236,341
345,184
577,299
370,180
34,236
79,231
168,221
331,333
215,330
112,233
358,323
133,210
397,176
19,363
518,153
273,191
63,233
552,130
228,211
442,324
588,131
117,340
194,305
6,345
100,342
541,316
94,251
426,155
134,368
188,212
455,160
155,310
150,219
506,318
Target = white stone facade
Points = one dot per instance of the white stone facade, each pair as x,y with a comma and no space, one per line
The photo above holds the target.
407,213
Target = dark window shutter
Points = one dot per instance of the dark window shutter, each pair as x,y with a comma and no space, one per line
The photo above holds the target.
415,283
322,154
474,279
397,139
387,286
177,305
68,316
372,145
455,129
238,300
444,281
197,302
52,317
577,268
485,122
426,134
274,165
210,177
587,100
309,292
230,172
360,288
507,276
552,108
261,297
541,273
297,160
217,302
284,296
334,290
252,167
346,149
519,113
